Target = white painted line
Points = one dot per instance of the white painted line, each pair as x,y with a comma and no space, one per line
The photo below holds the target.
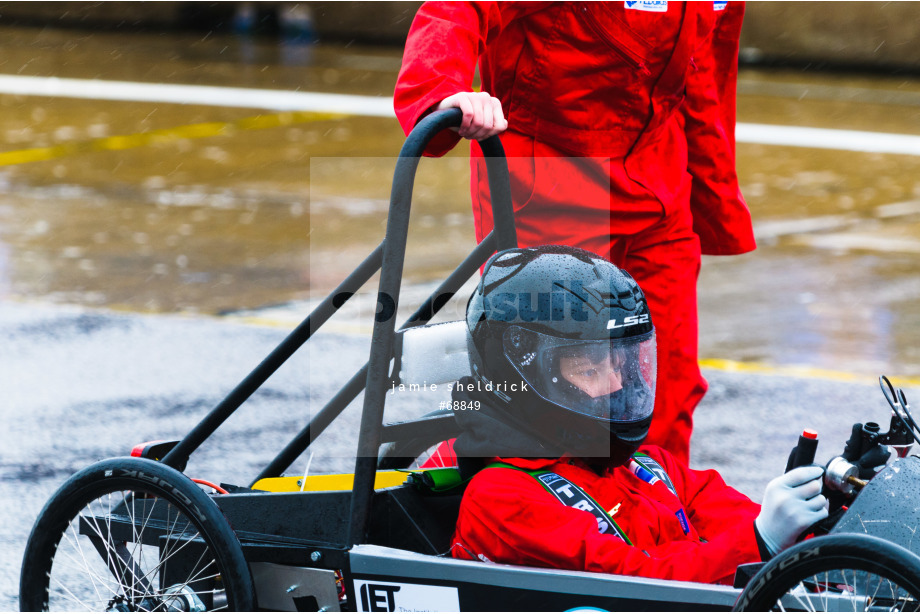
274,100
907,207
377,106
825,138
866,242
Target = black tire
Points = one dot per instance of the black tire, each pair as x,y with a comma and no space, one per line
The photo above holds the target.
165,543
846,570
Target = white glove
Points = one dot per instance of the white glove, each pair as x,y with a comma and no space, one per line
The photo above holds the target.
791,503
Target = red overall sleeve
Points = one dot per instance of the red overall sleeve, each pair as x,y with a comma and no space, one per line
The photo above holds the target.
722,516
442,49
507,517
720,215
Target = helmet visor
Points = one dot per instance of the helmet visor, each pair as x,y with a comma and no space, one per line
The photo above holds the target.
609,380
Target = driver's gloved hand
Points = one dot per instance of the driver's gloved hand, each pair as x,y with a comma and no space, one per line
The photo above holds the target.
791,503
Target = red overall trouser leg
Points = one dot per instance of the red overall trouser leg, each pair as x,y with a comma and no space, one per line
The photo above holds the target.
665,261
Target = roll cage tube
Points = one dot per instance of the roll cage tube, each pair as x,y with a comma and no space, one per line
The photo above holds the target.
355,385
394,243
388,293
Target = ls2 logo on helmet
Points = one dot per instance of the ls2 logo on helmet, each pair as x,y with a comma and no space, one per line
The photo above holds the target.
628,321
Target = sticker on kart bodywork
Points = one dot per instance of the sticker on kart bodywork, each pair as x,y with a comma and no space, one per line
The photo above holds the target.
374,596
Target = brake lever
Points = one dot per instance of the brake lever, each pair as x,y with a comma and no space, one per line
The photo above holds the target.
891,395
905,411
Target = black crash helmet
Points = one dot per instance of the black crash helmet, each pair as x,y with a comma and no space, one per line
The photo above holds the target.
564,342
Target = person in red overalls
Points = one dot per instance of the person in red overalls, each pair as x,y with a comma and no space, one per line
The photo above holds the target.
563,356
618,120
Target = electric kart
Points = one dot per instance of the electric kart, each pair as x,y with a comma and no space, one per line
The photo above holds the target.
136,534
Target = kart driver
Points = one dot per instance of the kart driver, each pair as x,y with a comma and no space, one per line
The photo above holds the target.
568,483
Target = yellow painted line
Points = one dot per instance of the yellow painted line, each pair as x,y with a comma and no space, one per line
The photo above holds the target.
380,106
717,364
166,135
343,328
734,366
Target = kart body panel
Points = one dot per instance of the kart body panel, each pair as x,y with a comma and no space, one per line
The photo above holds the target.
388,579
888,505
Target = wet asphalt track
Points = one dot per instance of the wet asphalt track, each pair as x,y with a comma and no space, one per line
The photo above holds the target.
80,385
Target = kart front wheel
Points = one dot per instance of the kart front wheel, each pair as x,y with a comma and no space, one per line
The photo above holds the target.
841,572
133,535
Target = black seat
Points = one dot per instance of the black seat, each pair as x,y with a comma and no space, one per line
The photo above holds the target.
409,518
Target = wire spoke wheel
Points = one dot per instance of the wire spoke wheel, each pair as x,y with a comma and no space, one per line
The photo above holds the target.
133,535
842,572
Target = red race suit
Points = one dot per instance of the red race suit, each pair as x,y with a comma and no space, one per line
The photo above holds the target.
507,516
620,141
